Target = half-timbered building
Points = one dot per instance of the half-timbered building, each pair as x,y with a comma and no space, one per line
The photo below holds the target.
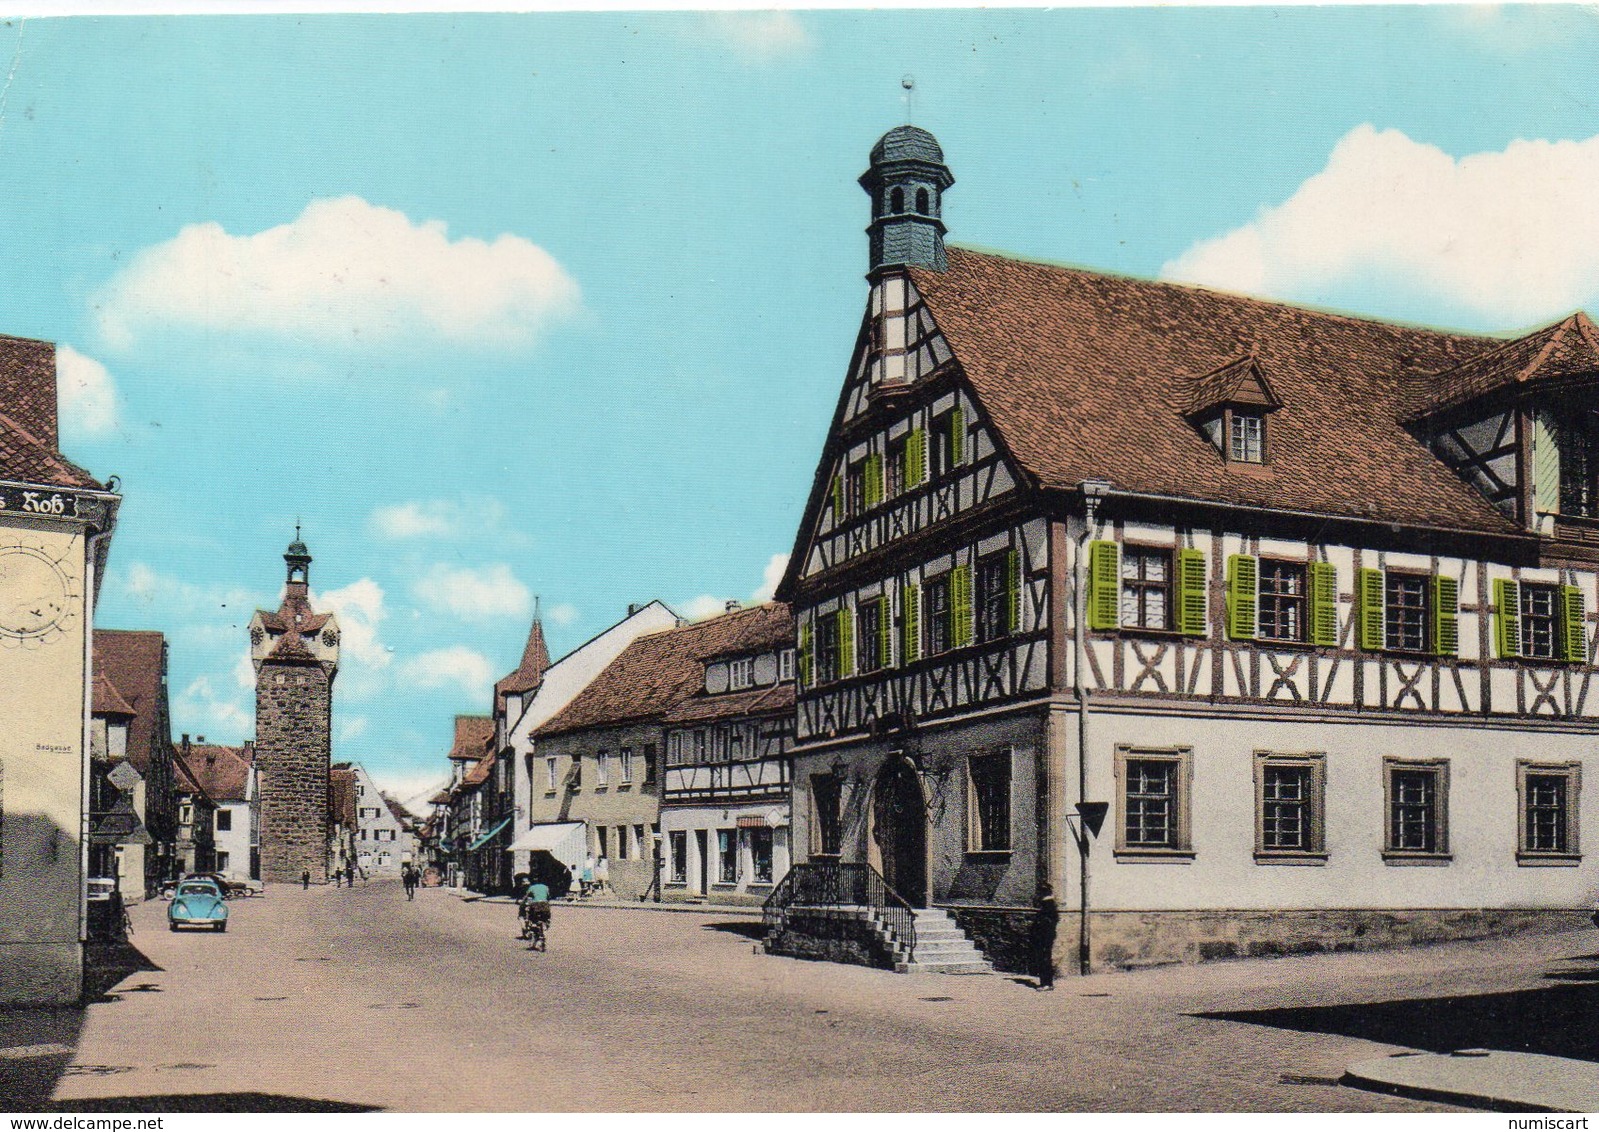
1246,628
725,789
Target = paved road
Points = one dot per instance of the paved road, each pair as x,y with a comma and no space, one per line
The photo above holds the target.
359,998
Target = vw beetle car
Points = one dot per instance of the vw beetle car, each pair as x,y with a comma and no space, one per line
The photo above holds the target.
198,903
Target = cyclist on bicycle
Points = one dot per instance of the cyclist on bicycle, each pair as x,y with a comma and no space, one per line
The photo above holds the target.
535,910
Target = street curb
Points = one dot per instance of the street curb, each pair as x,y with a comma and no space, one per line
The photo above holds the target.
1370,1075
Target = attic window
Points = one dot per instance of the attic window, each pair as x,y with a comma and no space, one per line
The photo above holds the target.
1246,436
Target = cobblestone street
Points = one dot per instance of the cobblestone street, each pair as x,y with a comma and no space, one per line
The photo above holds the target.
358,999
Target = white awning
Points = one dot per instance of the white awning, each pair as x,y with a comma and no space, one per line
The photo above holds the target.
566,841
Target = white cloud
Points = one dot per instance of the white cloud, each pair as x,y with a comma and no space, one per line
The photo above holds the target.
363,656
150,588
411,790
244,670
563,614
437,518
352,727
453,667
344,273
200,710
775,566
88,395
709,605
473,593
759,37
1496,240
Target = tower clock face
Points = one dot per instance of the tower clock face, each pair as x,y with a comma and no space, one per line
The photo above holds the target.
36,597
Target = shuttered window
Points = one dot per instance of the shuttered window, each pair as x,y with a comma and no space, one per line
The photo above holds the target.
935,611
873,643
1369,600
910,620
916,457
1445,611
845,618
1243,576
997,595
960,607
807,655
1191,592
1323,604
1146,588
1574,625
1104,585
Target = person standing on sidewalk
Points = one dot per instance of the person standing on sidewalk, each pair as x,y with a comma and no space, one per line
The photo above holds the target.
1046,920
305,878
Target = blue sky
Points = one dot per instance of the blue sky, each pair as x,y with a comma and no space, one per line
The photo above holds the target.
559,304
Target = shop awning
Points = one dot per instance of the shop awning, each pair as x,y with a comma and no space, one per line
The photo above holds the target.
566,841
487,837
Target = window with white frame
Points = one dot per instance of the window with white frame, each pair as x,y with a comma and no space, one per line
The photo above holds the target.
549,770
785,665
741,673
624,766
602,769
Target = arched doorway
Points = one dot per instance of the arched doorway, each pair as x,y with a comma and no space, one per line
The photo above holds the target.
899,826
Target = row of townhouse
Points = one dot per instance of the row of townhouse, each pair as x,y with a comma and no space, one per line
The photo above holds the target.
649,763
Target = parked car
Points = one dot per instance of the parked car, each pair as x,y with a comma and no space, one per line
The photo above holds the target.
198,902
101,888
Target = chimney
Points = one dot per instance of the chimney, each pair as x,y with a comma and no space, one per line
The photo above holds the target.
733,605
633,607
28,386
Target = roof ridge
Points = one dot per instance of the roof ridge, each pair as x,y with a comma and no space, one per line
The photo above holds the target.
1236,296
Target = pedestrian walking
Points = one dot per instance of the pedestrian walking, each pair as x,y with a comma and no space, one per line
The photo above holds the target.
1046,920
409,878
338,878
305,878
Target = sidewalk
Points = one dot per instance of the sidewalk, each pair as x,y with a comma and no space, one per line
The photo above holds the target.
750,910
1497,1080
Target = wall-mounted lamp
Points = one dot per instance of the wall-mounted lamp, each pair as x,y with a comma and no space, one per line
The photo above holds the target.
1094,493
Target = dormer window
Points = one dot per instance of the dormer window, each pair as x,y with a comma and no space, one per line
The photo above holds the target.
1247,436
1229,406
741,673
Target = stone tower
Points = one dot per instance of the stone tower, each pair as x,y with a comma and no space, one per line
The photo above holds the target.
906,181
296,655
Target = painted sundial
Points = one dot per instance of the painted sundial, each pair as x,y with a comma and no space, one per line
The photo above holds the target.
37,599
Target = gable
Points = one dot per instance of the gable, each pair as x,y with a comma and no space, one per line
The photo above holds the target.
911,444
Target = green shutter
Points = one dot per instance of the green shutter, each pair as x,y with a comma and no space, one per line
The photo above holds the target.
910,623
1445,616
838,498
1013,591
1104,586
807,656
960,607
1324,604
916,457
957,435
846,641
1243,598
1369,596
885,632
874,480
1191,592
1574,625
1507,618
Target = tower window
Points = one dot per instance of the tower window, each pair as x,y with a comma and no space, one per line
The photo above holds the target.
896,200
921,200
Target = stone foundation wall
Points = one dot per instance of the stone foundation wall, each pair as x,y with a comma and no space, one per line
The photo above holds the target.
1123,939
293,721
1001,934
831,935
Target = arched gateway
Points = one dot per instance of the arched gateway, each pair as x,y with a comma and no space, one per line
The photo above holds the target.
899,830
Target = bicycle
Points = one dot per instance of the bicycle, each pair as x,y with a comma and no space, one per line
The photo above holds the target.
535,926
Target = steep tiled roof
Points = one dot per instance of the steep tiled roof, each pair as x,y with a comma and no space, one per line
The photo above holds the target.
702,708
535,661
657,673
473,736
1088,376
131,661
479,774
29,450
107,700
1568,348
223,772
187,781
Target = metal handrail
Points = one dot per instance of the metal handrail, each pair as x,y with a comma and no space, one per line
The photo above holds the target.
841,884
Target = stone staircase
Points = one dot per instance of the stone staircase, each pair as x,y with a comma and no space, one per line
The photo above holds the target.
941,948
